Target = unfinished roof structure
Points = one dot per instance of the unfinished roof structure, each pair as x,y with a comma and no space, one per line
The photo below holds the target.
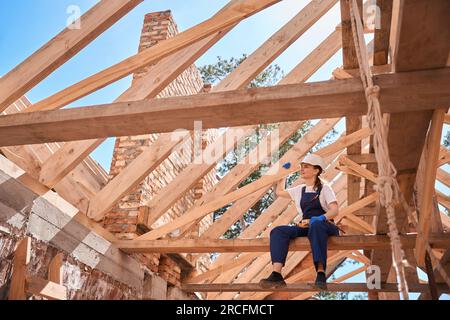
68,230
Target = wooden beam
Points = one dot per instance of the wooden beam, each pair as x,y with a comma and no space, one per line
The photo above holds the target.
262,245
271,215
350,60
149,86
54,269
276,44
424,35
364,158
202,164
60,49
133,174
232,14
443,199
334,98
45,288
443,177
358,169
417,42
305,69
433,144
21,259
444,156
301,287
383,33
84,181
58,165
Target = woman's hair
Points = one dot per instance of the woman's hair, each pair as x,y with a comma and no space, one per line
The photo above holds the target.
318,182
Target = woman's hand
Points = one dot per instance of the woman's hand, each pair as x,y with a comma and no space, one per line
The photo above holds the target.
333,211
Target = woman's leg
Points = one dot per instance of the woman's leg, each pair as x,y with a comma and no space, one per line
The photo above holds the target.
318,237
279,243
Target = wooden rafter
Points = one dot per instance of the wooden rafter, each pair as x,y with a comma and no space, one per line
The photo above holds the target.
301,287
295,102
60,49
231,15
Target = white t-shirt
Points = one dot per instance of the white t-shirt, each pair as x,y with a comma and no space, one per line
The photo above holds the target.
327,196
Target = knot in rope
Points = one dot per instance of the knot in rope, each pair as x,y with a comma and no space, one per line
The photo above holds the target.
373,92
385,187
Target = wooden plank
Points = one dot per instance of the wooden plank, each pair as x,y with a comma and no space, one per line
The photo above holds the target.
60,49
200,166
262,245
424,35
45,288
429,180
334,98
443,177
133,174
353,124
21,260
383,33
443,199
416,43
155,80
444,156
301,287
447,118
304,272
276,44
350,60
85,180
358,169
54,269
62,161
364,158
227,17
309,65
271,215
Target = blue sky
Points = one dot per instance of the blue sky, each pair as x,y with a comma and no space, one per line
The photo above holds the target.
25,25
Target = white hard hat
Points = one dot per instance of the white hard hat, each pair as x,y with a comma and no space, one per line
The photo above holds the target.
315,160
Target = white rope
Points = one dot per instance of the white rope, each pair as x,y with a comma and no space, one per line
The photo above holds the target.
386,185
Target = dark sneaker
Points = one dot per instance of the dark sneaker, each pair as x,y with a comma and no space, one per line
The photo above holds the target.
321,280
275,280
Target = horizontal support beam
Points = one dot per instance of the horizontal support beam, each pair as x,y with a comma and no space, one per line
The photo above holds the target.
328,99
366,242
304,287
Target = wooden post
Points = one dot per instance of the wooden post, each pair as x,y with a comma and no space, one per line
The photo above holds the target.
433,145
20,263
54,269
431,279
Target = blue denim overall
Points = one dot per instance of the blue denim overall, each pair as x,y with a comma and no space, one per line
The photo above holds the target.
317,234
